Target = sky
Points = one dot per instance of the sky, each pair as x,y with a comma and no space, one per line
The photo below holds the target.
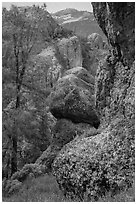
54,6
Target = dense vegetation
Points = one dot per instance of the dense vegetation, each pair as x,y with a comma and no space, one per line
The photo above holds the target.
23,117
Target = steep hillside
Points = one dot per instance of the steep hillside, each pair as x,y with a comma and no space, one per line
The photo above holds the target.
82,23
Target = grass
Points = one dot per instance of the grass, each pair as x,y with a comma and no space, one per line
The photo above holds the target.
41,189
45,189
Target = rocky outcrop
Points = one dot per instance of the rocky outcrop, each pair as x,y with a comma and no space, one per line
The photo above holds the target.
96,40
73,98
117,21
44,70
72,103
115,89
70,50
88,168
93,52
115,74
49,65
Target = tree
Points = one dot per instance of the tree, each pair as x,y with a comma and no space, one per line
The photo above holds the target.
22,31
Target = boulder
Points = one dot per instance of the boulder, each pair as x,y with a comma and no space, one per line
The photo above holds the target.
81,73
88,168
73,99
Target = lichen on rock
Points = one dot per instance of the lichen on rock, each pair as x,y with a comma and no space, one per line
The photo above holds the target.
88,168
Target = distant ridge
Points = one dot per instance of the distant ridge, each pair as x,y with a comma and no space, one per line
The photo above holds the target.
82,23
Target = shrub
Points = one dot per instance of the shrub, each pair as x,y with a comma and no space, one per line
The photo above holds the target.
61,32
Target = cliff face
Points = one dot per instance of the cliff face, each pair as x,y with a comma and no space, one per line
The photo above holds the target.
117,21
90,166
115,75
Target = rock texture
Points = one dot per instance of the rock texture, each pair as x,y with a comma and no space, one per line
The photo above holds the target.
115,89
48,66
93,52
72,103
117,21
70,50
64,131
88,168
73,98
96,40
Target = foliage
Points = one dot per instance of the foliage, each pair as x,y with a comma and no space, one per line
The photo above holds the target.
61,32
41,189
25,132
16,181
31,127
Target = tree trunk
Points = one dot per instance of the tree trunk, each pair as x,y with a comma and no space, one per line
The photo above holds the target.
14,155
15,134
17,101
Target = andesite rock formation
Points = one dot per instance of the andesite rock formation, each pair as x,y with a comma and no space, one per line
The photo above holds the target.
105,162
72,102
57,68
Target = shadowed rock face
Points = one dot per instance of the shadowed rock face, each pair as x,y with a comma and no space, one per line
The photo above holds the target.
117,21
115,74
73,98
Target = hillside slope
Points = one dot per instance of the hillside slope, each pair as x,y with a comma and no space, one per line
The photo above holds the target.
81,22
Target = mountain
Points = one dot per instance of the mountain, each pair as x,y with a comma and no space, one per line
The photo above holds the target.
82,22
